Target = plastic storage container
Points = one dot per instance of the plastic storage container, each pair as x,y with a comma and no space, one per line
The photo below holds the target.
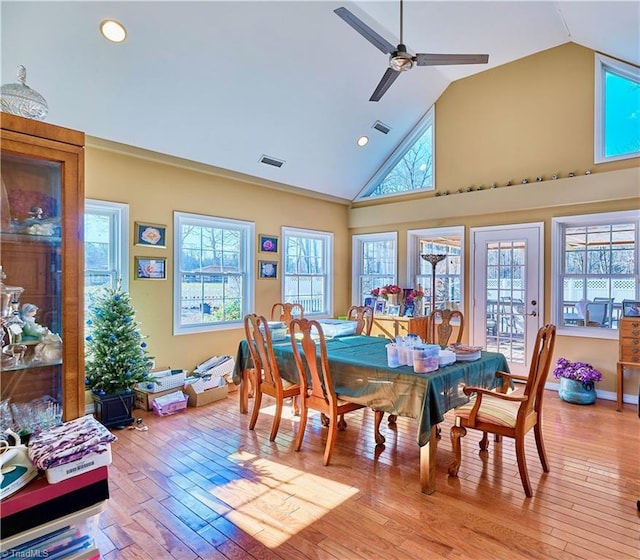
426,358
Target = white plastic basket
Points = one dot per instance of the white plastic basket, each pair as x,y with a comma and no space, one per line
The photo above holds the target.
225,368
172,381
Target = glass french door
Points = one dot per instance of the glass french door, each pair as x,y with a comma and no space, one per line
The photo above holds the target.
507,297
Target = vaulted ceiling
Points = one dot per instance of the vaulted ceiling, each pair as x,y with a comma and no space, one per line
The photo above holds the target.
224,83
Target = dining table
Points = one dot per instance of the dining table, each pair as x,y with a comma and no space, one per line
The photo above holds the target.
361,374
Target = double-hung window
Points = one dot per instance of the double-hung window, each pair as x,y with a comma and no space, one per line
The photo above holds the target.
375,258
213,272
447,275
595,268
106,236
307,266
617,110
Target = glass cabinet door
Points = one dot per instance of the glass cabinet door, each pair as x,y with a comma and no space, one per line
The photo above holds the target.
40,278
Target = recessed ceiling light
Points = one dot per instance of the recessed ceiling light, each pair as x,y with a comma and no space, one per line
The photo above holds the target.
113,30
362,141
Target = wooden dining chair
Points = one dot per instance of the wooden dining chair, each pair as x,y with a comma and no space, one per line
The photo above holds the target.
445,326
363,314
285,312
317,389
419,326
265,372
510,414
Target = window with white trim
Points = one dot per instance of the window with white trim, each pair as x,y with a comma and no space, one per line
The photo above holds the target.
411,166
375,263
106,242
617,110
307,266
595,268
213,272
448,272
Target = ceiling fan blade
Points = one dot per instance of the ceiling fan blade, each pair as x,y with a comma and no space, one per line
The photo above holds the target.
389,77
369,34
425,59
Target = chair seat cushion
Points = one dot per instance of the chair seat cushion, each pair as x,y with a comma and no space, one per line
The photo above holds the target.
287,384
493,411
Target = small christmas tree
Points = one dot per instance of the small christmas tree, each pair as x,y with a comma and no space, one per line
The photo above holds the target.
117,356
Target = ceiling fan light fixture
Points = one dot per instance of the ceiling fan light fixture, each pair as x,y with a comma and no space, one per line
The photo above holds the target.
400,61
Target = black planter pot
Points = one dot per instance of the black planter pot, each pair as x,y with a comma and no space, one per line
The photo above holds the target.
114,410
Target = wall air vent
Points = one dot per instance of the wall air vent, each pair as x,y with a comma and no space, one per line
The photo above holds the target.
268,160
381,127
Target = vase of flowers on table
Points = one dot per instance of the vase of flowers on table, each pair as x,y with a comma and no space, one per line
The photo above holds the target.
577,381
389,292
415,298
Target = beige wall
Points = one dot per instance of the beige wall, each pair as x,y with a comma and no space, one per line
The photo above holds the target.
154,189
521,120
531,117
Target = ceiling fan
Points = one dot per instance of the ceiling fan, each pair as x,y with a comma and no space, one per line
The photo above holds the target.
399,59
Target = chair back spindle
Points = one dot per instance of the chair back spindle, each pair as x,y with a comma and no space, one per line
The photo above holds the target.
445,326
285,312
363,315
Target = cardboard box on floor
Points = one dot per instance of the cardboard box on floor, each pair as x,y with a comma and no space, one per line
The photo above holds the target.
198,396
144,399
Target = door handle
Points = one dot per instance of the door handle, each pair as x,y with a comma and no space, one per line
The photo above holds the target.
532,314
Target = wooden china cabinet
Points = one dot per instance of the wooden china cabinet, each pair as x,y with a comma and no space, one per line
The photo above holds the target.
41,254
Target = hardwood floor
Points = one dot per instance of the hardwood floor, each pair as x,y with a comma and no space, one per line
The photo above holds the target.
199,484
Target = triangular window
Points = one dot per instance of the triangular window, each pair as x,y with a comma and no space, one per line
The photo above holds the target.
410,167
617,112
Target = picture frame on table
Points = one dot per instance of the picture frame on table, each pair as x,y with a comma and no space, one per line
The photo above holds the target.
151,268
409,309
151,235
630,308
393,310
267,243
370,302
380,306
268,270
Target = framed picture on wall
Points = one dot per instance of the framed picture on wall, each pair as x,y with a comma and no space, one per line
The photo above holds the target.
151,268
151,235
268,270
267,243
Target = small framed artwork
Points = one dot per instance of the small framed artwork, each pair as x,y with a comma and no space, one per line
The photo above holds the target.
393,310
151,235
409,309
150,268
370,302
267,243
381,304
268,269
630,308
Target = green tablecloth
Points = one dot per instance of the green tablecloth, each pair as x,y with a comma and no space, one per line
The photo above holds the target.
360,374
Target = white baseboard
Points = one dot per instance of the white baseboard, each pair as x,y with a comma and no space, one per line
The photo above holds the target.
606,395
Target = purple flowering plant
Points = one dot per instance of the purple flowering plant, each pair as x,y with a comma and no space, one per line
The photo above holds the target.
580,371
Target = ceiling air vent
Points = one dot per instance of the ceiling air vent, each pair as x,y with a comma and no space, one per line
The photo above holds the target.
381,127
268,160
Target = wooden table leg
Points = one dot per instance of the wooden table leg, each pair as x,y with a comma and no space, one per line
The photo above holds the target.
428,464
